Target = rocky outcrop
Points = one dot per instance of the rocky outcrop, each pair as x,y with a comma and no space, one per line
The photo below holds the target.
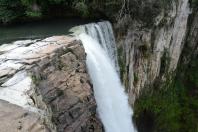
17,119
150,52
46,83
190,50
65,87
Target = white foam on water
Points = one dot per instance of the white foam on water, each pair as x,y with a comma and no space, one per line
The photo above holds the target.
111,99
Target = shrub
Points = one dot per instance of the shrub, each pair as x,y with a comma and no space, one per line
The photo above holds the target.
82,9
10,10
33,14
173,107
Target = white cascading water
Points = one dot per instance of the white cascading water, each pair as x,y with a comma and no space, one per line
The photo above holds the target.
103,33
112,101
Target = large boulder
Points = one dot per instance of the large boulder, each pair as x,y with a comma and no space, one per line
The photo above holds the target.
45,87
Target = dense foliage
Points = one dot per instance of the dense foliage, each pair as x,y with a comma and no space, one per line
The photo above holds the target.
144,10
11,10
172,107
194,3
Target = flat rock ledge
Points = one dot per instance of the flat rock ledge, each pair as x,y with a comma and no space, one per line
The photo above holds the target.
45,87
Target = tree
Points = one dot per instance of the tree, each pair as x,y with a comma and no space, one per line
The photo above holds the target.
10,10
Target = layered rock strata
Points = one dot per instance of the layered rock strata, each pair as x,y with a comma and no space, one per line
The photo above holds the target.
151,53
45,87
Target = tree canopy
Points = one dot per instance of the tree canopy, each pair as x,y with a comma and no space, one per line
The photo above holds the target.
11,10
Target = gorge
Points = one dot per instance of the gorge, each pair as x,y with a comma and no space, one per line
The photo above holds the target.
122,65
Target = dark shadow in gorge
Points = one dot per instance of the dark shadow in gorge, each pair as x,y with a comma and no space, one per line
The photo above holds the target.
145,122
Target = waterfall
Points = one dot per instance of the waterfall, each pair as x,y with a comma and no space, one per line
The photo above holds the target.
112,101
103,33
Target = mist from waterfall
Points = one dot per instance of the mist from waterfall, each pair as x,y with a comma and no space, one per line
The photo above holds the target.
112,101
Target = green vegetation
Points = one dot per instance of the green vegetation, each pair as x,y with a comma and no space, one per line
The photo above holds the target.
143,10
147,11
81,7
36,79
12,10
194,3
172,107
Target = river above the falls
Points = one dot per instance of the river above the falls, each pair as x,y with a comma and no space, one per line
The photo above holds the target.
38,29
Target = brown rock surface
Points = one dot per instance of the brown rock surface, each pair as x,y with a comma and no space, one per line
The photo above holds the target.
51,87
66,89
16,119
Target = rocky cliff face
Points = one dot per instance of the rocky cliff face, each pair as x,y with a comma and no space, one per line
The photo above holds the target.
149,49
46,83
190,49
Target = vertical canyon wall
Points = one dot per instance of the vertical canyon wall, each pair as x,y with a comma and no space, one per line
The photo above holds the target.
149,48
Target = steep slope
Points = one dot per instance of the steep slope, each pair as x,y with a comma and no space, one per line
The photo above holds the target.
157,50
149,50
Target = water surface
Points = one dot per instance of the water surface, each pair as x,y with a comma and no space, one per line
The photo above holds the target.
38,29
